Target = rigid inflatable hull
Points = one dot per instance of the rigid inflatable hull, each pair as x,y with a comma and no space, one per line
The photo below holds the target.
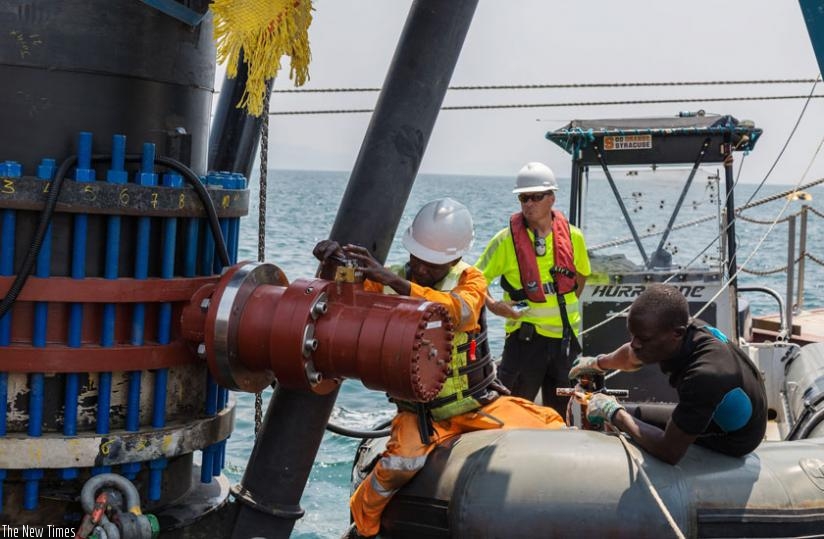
576,484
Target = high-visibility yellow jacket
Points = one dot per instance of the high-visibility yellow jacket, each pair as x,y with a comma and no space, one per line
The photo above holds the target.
498,259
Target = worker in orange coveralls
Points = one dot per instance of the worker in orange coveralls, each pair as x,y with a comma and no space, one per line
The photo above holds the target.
471,398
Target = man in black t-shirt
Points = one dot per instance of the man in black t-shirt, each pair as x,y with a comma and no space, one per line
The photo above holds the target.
722,400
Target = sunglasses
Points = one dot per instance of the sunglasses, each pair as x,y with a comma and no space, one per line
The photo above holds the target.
535,197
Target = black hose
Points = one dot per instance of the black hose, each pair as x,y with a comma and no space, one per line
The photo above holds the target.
37,242
206,200
51,202
379,431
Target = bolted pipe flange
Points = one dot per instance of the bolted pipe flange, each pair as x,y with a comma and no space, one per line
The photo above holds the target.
232,293
310,343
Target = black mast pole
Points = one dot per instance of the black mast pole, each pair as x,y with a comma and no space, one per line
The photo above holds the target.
235,134
369,214
732,262
404,116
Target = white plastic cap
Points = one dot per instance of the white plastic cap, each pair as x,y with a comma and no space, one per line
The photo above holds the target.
441,232
534,178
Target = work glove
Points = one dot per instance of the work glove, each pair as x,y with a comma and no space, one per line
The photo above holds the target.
585,366
602,408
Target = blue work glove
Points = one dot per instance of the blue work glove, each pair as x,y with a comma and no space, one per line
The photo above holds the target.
602,408
585,366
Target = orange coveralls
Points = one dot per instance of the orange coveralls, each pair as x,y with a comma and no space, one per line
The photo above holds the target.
405,454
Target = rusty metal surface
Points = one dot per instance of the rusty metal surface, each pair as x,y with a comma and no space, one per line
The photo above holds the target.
60,358
229,315
29,193
97,290
185,398
314,333
91,449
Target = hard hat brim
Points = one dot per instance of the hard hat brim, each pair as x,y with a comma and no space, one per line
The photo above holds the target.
429,255
534,189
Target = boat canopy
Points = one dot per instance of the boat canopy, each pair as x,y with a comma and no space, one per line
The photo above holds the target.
657,141
694,139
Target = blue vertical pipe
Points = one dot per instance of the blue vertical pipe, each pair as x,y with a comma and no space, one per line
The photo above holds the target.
228,181
4,392
83,173
207,265
117,175
9,169
234,239
190,249
208,453
225,181
164,327
207,255
146,177
32,477
190,259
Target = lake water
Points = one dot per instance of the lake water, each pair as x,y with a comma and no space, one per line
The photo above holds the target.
302,208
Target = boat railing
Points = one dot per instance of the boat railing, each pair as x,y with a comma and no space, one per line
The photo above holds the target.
795,266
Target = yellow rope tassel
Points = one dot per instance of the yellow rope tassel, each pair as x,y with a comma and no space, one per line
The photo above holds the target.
265,30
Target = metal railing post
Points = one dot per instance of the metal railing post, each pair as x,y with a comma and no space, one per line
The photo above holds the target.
790,271
802,255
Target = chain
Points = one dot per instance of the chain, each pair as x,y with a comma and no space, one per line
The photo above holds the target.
561,86
815,259
783,269
563,104
760,222
815,211
264,165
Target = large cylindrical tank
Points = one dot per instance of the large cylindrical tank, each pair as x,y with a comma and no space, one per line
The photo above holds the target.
571,483
94,374
105,66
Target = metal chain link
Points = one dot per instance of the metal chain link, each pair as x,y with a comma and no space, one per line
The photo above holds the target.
561,86
815,259
264,165
760,222
782,269
764,273
564,104
815,211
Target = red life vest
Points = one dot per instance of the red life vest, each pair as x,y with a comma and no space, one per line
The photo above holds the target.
563,270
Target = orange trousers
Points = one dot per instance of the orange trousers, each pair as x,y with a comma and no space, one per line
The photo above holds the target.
405,454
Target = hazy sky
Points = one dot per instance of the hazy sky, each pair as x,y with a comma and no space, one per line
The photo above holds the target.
551,42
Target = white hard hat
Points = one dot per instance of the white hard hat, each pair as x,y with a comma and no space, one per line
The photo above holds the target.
441,232
534,178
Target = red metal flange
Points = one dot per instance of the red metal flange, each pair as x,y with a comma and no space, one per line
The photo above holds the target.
313,333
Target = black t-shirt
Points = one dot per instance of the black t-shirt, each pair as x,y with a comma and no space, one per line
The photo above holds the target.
721,398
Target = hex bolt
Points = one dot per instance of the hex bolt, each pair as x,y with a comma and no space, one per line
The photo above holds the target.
320,308
310,345
315,378
204,304
201,350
